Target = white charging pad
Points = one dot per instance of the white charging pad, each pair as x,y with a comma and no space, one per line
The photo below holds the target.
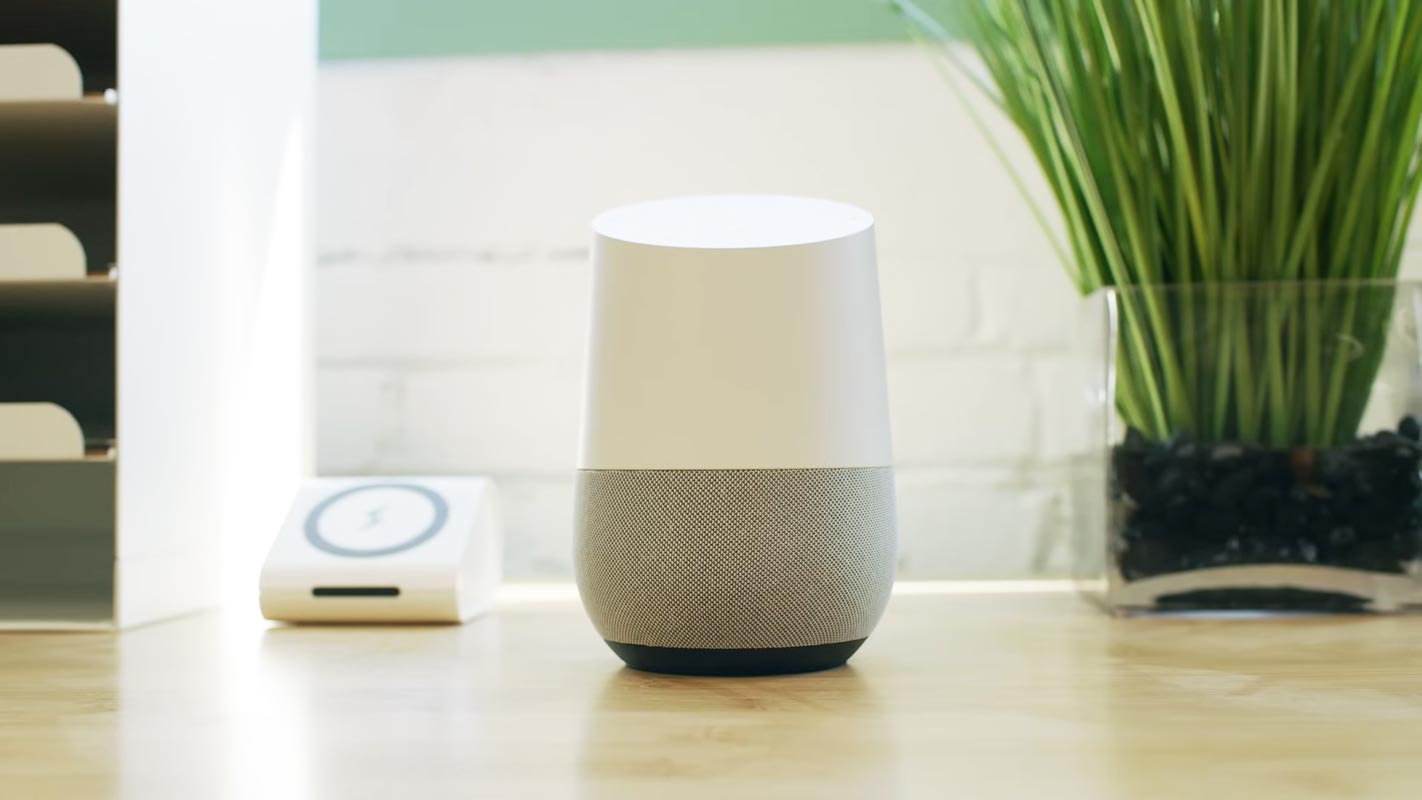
385,550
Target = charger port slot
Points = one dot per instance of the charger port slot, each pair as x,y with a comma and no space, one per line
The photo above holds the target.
356,591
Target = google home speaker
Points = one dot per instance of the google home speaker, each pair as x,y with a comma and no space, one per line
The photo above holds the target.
385,550
735,503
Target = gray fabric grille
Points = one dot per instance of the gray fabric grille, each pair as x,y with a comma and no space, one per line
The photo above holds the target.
735,558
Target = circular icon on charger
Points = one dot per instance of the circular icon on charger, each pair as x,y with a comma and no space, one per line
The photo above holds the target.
376,520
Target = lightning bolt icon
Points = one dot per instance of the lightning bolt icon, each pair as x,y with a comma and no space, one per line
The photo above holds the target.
373,517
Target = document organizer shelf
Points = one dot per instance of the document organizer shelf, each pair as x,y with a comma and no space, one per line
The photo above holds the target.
85,29
59,162
154,255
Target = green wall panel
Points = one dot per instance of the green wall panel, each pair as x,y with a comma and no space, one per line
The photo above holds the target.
398,28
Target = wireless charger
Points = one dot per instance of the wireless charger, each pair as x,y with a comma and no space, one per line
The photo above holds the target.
385,550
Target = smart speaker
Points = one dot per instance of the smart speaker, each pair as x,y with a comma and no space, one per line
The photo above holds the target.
735,503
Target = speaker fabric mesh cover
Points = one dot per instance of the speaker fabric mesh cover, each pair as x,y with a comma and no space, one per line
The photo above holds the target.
753,558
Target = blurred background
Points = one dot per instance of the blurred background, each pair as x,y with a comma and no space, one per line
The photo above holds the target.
463,148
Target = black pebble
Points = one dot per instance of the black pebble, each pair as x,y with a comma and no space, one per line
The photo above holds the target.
1135,441
1180,505
1231,488
1225,452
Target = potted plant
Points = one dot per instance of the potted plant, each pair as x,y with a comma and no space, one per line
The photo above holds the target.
1236,182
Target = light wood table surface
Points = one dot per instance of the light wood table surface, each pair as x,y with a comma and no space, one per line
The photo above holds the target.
981,695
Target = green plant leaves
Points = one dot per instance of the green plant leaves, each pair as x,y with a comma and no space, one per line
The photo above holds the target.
1193,142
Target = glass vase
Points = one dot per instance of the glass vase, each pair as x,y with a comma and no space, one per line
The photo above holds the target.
1263,450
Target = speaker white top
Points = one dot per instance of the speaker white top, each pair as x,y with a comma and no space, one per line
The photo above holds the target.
733,222
735,332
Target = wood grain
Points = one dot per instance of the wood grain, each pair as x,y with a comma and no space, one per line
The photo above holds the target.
976,696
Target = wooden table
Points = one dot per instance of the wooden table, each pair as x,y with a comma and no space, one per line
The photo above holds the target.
1012,694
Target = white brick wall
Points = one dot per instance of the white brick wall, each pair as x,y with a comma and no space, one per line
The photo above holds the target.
454,201
453,209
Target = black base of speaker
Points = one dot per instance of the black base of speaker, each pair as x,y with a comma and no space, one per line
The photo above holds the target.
740,661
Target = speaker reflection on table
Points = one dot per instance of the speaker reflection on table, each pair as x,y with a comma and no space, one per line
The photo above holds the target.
735,503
